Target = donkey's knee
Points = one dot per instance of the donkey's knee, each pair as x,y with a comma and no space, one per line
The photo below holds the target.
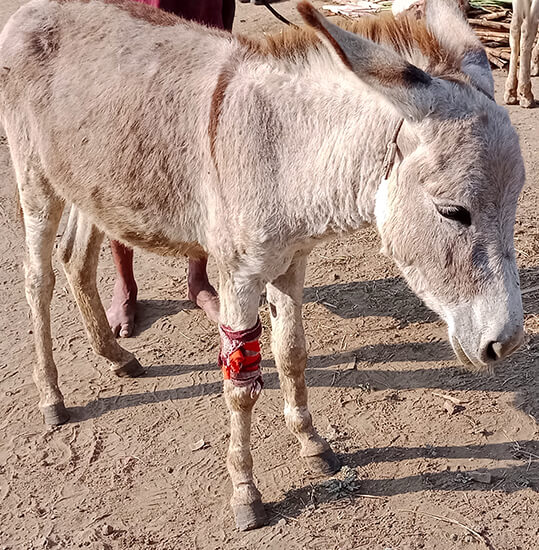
38,284
72,262
290,356
39,287
240,358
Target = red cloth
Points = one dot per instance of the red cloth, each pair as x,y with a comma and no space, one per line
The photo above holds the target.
243,369
214,13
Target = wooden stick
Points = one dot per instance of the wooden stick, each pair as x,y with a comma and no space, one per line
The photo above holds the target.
493,35
453,400
530,289
500,42
477,535
368,496
285,517
500,53
494,15
495,25
495,60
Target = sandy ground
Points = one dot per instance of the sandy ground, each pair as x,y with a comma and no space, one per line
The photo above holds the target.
123,473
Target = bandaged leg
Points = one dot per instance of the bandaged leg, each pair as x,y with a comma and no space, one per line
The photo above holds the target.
240,358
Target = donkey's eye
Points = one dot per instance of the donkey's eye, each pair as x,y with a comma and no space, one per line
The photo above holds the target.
457,213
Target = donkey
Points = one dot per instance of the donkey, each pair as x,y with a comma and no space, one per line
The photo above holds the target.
188,141
522,37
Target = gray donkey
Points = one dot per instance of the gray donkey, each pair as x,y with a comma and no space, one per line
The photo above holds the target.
188,141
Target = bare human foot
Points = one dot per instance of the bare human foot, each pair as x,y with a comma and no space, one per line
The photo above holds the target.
121,313
201,292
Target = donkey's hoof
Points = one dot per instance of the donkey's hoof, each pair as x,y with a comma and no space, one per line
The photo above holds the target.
325,464
526,102
510,98
54,415
131,369
249,516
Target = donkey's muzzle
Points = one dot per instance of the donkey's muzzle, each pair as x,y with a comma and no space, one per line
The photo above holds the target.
501,348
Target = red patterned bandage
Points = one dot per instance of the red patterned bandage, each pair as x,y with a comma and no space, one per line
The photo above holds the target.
239,357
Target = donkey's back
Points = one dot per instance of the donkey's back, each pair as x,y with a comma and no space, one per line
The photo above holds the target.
110,101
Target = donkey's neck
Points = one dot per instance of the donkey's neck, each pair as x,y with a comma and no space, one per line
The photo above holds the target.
337,139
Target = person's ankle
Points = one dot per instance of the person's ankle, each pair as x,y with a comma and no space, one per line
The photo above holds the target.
127,288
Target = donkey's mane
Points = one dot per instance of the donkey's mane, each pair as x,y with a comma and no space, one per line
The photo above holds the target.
405,34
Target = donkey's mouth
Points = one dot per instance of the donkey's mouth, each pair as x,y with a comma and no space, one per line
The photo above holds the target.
463,357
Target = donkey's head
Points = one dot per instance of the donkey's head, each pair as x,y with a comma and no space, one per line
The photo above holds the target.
446,212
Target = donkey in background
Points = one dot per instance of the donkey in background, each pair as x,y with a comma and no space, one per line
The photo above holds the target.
253,152
518,89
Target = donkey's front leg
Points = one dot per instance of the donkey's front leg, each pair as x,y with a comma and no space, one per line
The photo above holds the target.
41,218
288,342
511,84
240,361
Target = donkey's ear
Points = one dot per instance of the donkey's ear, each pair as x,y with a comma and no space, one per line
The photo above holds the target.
447,21
412,91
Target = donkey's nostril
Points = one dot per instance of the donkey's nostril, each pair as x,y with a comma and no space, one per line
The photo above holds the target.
500,349
493,351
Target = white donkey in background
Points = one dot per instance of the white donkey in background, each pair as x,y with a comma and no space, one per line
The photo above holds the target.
522,37
193,142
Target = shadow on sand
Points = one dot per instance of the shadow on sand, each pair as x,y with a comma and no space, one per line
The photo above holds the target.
519,374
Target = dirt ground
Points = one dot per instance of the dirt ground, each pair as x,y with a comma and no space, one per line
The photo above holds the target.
127,471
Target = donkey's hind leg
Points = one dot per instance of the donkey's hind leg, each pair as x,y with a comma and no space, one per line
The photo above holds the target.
79,253
534,71
285,296
511,84
42,212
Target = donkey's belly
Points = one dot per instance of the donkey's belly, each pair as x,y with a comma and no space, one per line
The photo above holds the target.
146,228
159,243
167,226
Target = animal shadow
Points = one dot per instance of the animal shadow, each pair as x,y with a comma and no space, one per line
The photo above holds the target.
351,486
392,297
379,297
